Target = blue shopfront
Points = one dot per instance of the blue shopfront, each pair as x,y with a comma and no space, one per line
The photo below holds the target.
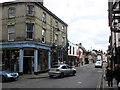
26,57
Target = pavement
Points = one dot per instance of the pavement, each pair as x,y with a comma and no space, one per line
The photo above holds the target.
33,76
104,84
106,87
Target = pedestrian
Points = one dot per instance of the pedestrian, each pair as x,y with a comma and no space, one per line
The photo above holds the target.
109,76
117,74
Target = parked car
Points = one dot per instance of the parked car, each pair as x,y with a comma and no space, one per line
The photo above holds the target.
60,70
8,75
98,64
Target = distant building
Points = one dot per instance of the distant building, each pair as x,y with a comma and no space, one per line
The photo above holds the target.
76,54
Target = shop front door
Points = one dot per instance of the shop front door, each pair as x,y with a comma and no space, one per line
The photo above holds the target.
28,65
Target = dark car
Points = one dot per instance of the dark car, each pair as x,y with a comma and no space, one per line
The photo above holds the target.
60,70
8,75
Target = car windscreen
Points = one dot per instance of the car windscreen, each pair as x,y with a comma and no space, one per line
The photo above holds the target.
98,62
55,66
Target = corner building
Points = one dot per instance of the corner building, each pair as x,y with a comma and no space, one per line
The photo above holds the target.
33,38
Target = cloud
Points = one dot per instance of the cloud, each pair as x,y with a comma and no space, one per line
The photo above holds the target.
86,19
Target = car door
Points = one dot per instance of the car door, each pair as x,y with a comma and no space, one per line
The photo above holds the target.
65,70
70,71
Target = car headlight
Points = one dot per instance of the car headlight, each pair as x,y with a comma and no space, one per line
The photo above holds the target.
8,75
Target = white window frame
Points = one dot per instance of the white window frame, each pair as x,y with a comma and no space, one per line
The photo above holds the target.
56,26
56,39
29,31
43,35
63,29
44,17
11,12
11,32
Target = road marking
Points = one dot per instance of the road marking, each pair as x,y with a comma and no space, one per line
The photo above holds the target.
99,71
79,82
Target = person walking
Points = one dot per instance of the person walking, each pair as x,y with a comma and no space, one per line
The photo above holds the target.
117,74
109,75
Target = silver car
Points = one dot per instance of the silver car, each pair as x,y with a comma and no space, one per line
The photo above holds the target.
7,75
60,70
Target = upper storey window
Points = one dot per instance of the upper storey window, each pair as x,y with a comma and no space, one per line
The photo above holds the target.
63,29
56,26
11,32
30,10
43,35
44,17
30,30
11,12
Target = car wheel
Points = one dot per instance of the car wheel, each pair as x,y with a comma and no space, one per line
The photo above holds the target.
62,75
74,73
16,79
51,76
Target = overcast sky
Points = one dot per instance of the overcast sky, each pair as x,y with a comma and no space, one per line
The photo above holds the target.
87,21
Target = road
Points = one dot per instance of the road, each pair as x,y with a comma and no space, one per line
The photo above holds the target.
86,77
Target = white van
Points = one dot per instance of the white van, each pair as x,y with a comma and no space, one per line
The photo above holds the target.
98,64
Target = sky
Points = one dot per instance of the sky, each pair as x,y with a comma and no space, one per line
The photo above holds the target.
87,21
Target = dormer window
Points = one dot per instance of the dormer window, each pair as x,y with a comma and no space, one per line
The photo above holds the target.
11,12
30,10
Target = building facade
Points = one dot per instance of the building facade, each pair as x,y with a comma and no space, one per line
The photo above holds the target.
76,54
33,38
73,54
114,24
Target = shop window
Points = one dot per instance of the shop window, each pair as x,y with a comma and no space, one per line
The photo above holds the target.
30,10
29,53
11,12
11,32
30,29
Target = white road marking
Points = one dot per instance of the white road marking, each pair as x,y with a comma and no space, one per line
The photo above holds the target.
99,71
79,82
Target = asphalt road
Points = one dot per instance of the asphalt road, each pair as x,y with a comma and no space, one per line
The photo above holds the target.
86,77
